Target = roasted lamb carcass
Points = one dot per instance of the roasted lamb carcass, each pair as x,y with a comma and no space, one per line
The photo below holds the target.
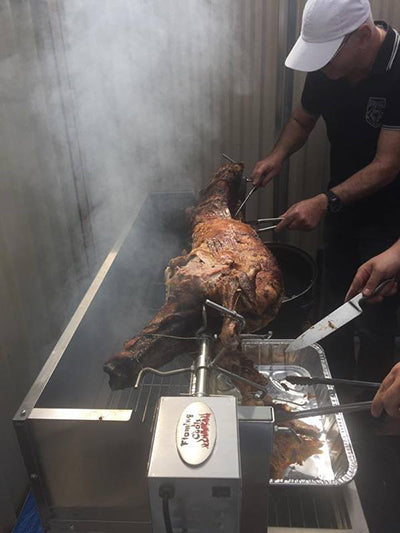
228,264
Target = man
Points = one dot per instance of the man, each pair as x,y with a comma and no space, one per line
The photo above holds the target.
353,81
384,266
388,396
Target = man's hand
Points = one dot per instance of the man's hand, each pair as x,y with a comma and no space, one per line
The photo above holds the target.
294,135
388,396
305,215
383,266
266,169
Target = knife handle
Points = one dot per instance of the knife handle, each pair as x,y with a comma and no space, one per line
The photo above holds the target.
376,291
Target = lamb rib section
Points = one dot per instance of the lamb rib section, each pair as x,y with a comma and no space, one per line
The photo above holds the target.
228,264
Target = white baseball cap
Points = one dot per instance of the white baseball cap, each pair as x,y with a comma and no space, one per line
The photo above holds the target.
325,24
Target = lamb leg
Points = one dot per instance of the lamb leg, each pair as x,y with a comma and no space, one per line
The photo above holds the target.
150,348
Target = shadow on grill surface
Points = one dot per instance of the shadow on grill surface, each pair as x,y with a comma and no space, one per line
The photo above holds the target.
307,507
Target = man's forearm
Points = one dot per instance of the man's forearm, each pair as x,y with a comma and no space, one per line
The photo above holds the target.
365,182
292,138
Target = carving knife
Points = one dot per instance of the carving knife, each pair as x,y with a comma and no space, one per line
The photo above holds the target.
335,320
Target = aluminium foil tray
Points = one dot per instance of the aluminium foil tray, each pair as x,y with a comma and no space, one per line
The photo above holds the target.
337,464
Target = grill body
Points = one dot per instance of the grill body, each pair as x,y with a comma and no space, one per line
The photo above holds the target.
85,447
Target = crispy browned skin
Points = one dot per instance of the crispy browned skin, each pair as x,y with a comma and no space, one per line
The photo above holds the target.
228,264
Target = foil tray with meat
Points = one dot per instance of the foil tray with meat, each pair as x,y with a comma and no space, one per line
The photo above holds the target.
334,463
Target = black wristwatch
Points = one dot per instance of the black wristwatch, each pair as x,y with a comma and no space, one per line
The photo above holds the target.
334,202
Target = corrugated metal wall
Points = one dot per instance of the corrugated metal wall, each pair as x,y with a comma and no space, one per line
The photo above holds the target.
101,103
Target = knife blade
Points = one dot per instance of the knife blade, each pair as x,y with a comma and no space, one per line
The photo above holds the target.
335,320
332,322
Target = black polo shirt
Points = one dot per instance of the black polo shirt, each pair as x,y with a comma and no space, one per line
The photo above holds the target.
354,116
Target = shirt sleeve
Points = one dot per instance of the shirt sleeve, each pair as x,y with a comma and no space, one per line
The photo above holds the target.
391,114
312,96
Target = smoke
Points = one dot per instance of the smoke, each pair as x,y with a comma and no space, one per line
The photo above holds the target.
149,80
103,103
144,86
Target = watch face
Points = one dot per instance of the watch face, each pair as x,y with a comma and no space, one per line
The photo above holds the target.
335,205
334,202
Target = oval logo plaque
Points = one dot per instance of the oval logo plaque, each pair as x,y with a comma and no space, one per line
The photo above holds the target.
196,433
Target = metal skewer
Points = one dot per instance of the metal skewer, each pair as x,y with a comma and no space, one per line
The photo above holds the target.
257,386
252,190
229,158
232,375
159,373
227,312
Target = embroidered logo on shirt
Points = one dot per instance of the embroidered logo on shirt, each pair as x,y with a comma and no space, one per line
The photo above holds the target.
375,109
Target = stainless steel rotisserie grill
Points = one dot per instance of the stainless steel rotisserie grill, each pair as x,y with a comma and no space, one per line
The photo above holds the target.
86,447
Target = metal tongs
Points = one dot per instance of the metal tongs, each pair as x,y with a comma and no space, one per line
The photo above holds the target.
249,194
331,409
275,221
283,416
245,178
303,380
